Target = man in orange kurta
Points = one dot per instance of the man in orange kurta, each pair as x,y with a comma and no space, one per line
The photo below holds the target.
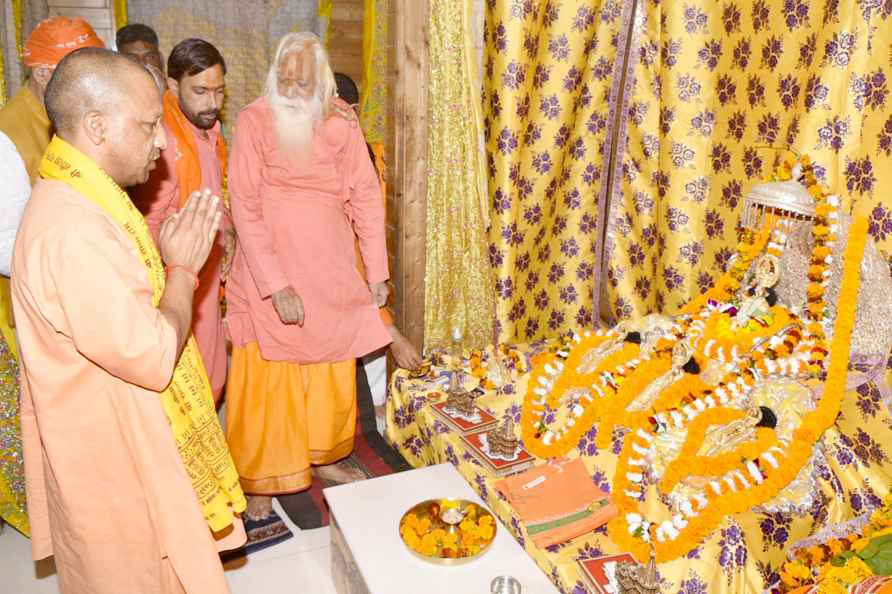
299,314
195,159
108,490
23,119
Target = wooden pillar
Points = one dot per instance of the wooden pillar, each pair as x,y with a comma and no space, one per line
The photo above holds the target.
345,44
407,158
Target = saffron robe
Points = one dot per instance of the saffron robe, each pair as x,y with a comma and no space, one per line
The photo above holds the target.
296,222
108,494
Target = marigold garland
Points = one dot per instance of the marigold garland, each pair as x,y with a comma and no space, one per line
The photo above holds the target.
631,388
673,398
750,246
715,465
534,409
534,406
612,387
695,528
813,564
621,377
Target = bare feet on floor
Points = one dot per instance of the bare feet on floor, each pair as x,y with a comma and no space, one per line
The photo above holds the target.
260,507
338,473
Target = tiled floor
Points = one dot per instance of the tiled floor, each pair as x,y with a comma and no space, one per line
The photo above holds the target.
300,564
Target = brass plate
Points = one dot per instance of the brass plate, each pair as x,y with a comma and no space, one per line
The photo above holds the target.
443,519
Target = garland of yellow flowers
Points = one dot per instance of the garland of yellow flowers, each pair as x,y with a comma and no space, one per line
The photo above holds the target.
541,379
750,246
632,532
814,563
543,390
534,409
825,232
825,208
630,390
713,465
724,338
620,359
688,391
550,379
679,398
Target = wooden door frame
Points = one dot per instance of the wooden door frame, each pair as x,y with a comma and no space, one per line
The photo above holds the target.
408,163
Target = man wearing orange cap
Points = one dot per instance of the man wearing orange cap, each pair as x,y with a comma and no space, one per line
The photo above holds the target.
24,118
24,121
195,159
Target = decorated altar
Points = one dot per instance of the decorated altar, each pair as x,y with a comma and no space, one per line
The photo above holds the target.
744,553
747,427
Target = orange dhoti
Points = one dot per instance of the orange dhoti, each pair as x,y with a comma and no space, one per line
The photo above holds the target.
282,418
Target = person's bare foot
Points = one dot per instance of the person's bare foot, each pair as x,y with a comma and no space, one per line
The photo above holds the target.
260,507
338,473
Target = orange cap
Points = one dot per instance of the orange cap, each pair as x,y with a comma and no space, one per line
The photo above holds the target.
55,38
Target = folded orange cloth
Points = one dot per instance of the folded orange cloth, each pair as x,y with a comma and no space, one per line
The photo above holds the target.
557,502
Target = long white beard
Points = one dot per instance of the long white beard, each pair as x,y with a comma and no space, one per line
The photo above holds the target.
296,121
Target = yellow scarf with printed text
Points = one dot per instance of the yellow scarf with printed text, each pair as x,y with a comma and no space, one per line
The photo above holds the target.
188,400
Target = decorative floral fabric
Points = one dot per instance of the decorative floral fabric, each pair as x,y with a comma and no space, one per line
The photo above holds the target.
549,72
743,555
12,469
706,89
713,85
458,283
373,99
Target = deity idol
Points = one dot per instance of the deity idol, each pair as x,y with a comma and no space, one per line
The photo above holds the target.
733,407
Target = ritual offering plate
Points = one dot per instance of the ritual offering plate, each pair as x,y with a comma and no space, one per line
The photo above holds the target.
447,531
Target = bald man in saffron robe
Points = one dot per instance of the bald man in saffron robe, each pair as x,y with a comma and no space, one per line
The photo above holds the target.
129,482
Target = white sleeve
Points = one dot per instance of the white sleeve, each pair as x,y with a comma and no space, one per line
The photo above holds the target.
15,188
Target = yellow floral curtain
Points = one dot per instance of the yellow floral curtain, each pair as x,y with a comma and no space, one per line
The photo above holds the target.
651,121
550,90
712,85
458,284
373,98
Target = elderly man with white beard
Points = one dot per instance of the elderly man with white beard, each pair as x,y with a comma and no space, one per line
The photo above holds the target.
299,314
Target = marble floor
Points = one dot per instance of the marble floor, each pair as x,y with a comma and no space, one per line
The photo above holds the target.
300,564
